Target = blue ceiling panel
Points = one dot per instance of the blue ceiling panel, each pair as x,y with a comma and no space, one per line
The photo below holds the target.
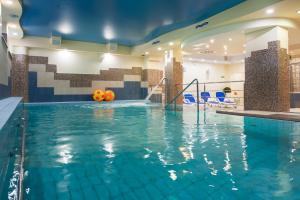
127,22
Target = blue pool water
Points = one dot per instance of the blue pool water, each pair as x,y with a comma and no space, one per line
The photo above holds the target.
118,151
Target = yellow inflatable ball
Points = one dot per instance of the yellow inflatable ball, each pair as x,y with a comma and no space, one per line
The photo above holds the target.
109,95
98,95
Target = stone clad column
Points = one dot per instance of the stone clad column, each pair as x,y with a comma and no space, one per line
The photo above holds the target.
174,74
266,71
19,72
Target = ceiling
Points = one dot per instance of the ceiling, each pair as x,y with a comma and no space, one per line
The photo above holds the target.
226,44
126,22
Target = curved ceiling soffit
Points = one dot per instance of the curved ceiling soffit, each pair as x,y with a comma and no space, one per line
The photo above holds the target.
247,26
11,15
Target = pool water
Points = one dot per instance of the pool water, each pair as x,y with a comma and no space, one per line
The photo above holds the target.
137,151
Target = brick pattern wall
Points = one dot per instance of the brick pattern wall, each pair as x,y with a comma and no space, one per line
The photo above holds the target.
38,81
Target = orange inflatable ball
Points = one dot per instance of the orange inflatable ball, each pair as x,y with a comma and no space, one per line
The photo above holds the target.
98,95
109,95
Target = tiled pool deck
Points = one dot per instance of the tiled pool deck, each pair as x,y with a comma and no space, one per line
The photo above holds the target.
7,107
287,116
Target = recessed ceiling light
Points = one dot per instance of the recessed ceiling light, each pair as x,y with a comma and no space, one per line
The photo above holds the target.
212,41
207,46
13,25
9,2
171,43
230,39
146,53
298,12
166,52
159,48
270,11
225,47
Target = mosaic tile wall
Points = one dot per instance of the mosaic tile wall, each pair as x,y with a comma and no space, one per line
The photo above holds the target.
174,74
5,84
267,79
46,85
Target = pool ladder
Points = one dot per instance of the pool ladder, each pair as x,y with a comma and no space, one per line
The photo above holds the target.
155,88
195,81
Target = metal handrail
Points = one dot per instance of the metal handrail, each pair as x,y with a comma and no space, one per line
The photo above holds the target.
207,83
155,87
182,91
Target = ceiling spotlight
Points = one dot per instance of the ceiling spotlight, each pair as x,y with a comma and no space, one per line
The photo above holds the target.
171,43
298,12
270,11
13,25
159,48
146,53
207,46
166,52
225,47
212,41
9,2
230,39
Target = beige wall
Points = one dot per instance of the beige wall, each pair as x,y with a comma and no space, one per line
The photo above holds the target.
211,72
86,62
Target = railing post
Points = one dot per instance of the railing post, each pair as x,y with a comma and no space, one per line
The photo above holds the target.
197,96
205,97
198,110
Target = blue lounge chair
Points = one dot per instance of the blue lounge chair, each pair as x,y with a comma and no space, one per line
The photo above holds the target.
190,99
225,101
207,98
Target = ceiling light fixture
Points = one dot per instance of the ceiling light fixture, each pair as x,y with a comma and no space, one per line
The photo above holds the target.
225,47
171,43
159,48
146,53
13,25
230,39
212,41
207,46
298,12
270,11
9,2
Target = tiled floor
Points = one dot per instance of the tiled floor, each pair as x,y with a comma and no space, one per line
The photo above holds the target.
288,116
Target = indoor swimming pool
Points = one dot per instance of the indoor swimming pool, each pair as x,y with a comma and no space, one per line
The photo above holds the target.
137,151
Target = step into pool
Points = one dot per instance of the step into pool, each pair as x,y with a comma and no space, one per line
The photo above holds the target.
137,151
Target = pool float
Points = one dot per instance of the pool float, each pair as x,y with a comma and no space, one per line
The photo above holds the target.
98,95
109,95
